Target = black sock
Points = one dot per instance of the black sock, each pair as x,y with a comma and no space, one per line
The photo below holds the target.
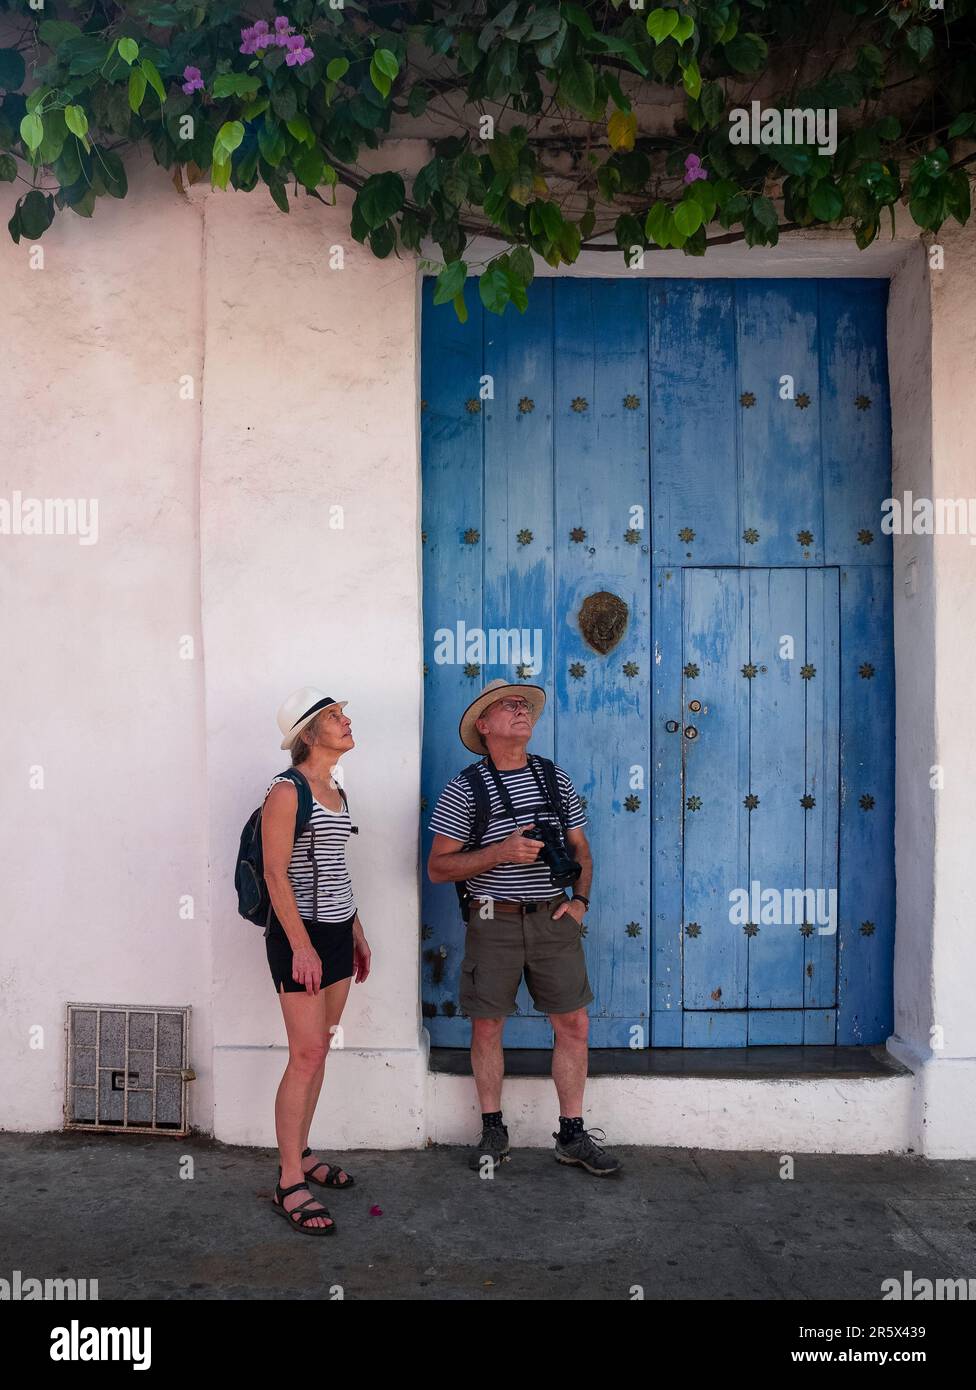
570,1128
493,1117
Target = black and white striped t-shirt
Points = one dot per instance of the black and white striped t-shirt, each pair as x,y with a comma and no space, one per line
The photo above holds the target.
322,887
454,816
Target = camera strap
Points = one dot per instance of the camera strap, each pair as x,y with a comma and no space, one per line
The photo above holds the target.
502,790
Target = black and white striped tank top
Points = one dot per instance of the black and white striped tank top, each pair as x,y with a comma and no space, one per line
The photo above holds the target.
317,871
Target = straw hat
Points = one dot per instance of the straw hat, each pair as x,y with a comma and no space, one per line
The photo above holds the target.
300,709
534,695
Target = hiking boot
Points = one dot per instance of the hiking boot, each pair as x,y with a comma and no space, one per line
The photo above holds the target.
493,1144
588,1155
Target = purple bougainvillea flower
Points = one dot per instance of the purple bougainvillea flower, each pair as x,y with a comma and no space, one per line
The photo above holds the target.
282,24
693,169
261,27
295,41
192,80
298,57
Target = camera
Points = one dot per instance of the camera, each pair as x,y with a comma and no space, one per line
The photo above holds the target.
562,870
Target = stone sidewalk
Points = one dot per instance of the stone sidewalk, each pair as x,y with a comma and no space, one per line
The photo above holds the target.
680,1224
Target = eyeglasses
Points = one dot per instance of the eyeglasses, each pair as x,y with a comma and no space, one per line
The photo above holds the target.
516,706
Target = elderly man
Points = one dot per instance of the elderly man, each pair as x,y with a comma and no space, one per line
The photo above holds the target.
508,831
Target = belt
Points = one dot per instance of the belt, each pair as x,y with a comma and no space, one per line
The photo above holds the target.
521,908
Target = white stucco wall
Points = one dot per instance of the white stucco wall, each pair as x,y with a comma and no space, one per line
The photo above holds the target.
215,522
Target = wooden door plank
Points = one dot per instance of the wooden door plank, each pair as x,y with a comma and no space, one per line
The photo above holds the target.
715,648
602,736
780,475
777,752
856,420
867,805
822,820
691,351
452,442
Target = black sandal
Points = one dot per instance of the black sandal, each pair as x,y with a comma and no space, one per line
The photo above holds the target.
332,1179
298,1216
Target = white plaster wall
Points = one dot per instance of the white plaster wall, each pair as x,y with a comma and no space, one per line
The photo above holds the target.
310,402
92,686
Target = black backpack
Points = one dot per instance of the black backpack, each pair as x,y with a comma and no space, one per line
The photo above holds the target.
253,898
482,809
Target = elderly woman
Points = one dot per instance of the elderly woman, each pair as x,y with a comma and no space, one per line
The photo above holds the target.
315,940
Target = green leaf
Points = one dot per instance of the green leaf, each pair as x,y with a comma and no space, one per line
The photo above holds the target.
460,308
764,211
277,191
32,131
299,128
310,167
661,23
8,168
889,127
113,173
967,121
826,201
450,282
284,103
691,77
746,53
129,50
337,69
137,88
958,200
380,198
919,39
657,225
229,136
53,32
231,84
684,28
577,87
522,265
703,192
379,78
12,69
935,163
271,143
688,217
386,62
36,214
156,82
76,120
712,100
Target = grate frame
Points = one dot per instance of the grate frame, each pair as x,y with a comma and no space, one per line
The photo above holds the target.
75,1010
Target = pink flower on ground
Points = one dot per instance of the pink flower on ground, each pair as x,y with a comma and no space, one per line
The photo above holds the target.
376,1211
693,169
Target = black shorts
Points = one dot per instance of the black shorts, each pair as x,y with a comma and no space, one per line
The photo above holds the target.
332,941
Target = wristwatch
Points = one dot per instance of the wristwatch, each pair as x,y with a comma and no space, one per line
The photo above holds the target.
578,898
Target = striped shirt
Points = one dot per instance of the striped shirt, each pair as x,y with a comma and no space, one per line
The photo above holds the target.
322,887
454,816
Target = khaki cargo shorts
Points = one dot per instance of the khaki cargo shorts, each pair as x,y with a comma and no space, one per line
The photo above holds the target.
499,950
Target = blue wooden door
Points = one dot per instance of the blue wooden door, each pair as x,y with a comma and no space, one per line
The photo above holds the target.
709,458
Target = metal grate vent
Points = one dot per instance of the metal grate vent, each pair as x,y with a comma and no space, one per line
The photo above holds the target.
127,1068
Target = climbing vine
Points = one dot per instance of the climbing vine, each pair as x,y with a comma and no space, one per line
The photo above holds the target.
621,125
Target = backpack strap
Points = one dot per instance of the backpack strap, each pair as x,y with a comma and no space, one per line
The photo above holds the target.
482,804
304,812
482,814
550,783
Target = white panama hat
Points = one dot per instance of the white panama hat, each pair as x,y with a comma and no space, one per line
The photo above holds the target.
534,695
300,709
